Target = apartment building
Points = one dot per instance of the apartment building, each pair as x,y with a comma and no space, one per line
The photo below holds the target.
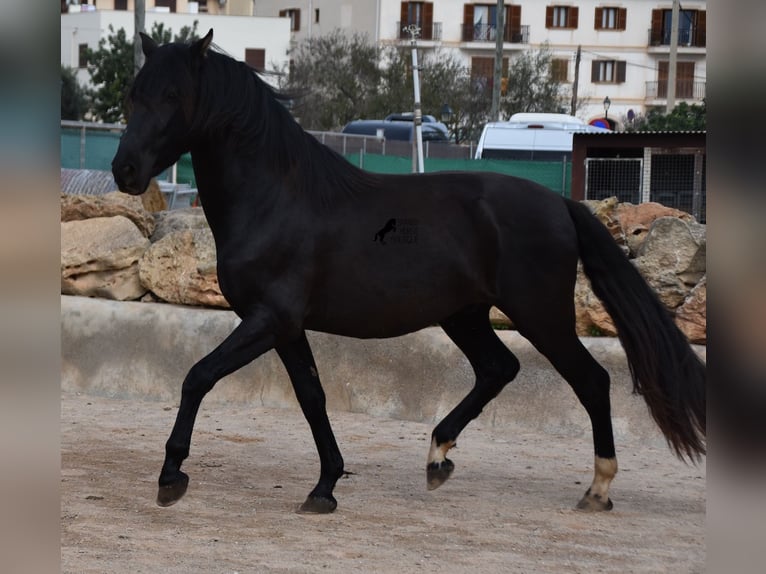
264,42
624,44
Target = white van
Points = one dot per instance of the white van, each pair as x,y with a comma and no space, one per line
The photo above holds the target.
532,136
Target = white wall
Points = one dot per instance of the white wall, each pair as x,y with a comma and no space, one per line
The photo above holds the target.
232,33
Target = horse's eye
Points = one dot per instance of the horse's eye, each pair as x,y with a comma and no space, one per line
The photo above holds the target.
171,96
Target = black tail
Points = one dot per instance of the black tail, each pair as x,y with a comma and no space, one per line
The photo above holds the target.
665,369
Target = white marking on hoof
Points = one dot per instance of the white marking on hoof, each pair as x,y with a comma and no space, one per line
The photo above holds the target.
604,473
438,453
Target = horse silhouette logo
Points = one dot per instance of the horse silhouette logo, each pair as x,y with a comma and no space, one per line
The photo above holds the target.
386,229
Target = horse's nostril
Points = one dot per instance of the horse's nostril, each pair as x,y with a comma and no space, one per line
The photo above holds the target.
128,170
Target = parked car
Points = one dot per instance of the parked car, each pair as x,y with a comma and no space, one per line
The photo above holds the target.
426,119
394,130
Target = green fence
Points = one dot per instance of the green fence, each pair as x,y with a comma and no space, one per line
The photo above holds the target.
555,175
93,146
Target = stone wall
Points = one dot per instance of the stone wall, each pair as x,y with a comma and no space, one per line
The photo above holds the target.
113,247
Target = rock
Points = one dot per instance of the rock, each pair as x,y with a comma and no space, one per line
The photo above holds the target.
153,199
605,211
181,268
672,258
591,318
691,316
178,220
79,207
99,258
635,221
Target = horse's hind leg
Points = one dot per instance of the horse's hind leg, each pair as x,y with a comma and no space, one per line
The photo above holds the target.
299,362
494,366
249,340
553,334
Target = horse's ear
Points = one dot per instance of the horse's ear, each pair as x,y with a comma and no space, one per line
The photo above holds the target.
200,46
148,45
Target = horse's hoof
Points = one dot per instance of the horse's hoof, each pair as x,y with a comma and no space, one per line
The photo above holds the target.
318,505
437,473
594,503
169,494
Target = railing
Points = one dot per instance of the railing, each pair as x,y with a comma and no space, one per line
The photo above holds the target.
685,90
689,37
432,32
488,33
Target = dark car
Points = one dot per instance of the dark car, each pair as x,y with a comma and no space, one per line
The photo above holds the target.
394,130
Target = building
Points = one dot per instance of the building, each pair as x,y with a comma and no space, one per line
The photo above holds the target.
624,45
264,42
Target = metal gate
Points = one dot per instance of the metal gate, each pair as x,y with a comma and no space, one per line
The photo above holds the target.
621,177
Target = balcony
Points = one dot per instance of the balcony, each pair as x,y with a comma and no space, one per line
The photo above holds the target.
685,90
692,37
488,33
433,32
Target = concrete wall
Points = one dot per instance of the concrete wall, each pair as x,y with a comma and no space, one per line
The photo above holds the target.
144,350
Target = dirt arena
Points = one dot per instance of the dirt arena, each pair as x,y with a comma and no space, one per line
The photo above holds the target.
508,507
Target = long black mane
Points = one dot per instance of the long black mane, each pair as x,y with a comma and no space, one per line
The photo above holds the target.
235,102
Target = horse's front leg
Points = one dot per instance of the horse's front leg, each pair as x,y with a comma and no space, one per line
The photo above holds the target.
299,362
249,340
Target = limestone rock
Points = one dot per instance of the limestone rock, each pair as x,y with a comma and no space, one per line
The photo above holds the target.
153,199
635,221
672,258
591,318
181,268
178,220
691,316
99,258
79,207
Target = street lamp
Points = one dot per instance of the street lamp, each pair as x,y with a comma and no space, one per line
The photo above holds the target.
607,103
446,113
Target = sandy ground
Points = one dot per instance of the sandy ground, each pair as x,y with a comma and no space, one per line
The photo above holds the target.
508,507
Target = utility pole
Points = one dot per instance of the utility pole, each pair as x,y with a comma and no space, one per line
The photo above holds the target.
671,101
139,18
498,72
417,162
576,80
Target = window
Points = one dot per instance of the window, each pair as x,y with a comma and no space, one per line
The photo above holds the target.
480,23
316,16
166,4
561,17
420,14
202,5
256,58
560,70
295,18
82,56
610,18
684,79
120,4
692,28
608,72
483,71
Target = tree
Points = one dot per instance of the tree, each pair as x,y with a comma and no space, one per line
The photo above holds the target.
531,86
111,68
336,77
74,98
683,117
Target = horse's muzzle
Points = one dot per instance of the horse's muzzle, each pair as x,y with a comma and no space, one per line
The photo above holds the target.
127,176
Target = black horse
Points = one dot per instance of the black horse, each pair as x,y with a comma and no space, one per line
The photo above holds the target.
292,222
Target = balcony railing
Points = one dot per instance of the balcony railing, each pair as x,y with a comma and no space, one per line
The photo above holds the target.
685,90
689,37
432,32
488,33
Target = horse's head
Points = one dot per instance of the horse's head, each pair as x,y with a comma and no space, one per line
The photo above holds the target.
162,104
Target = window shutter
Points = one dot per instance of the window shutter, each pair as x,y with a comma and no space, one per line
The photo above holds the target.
598,19
428,21
594,67
467,22
656,27
515,19
404,14
282,13
573,18
255,58
297,20
622,17
621,66
549,16
700,35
